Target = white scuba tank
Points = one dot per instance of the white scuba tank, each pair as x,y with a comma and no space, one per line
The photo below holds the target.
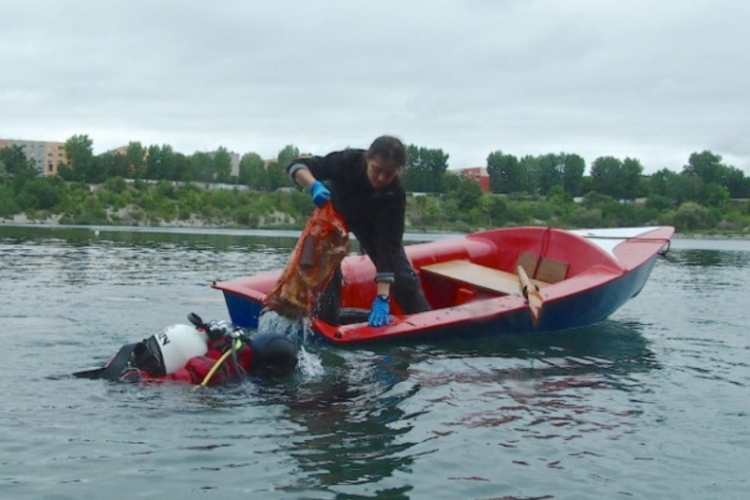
178,343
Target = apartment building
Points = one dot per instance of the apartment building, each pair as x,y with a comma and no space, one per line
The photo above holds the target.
46,155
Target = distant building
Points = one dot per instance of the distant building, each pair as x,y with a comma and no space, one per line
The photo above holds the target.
122,150
45,155
478,174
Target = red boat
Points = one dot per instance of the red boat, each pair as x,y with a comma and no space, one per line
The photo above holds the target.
529,279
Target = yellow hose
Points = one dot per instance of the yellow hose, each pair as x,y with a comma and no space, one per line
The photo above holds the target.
218,363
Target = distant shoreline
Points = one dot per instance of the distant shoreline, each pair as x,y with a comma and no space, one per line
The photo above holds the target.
21,220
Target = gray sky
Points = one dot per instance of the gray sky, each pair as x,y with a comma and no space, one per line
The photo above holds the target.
655,80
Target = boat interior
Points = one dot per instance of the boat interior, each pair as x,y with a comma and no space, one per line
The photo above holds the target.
483,265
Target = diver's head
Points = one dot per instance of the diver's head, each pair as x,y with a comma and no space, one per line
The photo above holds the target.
273,354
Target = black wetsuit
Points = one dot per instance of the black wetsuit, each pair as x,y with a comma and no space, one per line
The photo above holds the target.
376,217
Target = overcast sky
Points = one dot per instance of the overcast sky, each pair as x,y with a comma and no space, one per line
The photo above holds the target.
655,80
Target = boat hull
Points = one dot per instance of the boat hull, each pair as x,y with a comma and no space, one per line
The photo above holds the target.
606,268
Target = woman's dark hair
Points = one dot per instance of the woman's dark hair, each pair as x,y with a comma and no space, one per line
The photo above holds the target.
389,149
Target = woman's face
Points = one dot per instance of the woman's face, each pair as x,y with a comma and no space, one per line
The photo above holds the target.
380,172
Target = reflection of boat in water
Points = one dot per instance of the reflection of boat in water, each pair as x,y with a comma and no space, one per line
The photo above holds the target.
531,279
607,347
380,410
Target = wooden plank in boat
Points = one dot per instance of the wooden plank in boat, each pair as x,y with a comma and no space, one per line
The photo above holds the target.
479,276
547,270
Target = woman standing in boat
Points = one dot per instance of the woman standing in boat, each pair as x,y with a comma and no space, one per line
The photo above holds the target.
365,188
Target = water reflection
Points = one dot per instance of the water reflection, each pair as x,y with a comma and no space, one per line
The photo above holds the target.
610,344
710,258
349,424
80,257
374,411
217,240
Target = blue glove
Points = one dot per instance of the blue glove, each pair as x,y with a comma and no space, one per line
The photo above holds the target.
320,193
380,312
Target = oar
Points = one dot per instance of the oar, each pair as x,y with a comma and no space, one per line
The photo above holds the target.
531,292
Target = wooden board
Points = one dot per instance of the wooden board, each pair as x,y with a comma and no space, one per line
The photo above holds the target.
548,270
479,276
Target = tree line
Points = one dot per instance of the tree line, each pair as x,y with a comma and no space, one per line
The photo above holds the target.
526,190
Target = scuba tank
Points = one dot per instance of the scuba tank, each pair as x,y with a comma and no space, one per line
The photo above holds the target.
170,349
159,355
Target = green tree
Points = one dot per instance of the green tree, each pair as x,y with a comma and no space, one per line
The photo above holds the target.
659,202
574,166
287,155
182,168
690,216
605,171
8,205
222,165
558,195
252,170
706,166
736,182
437,161
270,176
112,164
551,168
630,176
504,172
16,164
529,167
497,209
425,169
39,194
275,176
201,167
153,163
135,161
116,185
467,195
84,166
661,181
415,175
715,194
168,164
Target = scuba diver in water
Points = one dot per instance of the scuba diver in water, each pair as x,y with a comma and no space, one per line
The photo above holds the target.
207,354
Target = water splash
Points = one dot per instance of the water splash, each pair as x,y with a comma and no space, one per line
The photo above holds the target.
309,364
299,331
271,321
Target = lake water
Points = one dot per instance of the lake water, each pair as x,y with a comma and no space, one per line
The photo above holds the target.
650,404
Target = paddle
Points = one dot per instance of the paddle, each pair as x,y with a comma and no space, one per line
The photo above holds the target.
531,292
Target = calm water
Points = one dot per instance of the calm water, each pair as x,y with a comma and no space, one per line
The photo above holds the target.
651,404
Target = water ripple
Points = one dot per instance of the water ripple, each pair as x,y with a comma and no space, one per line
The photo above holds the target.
649,404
